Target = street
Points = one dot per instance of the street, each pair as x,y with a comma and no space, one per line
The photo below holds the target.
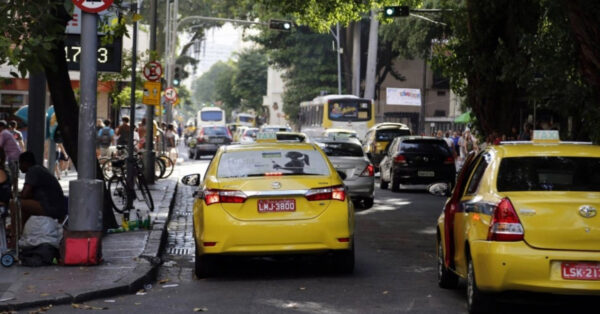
394,273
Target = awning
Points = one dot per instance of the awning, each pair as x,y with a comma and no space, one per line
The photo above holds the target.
464,118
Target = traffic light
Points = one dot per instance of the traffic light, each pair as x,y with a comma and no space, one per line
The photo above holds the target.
281,25
177,75
395,11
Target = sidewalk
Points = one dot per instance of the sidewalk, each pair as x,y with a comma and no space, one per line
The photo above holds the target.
131,259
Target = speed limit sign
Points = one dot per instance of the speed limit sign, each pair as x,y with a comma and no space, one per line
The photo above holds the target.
93,6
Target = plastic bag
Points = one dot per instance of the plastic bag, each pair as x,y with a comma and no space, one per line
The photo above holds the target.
41,229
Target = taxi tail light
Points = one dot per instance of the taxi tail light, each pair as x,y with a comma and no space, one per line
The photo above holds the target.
224,196
505,224
399,159
329,193
368,172
449,161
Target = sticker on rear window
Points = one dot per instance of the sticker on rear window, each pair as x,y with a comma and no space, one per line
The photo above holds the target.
271,155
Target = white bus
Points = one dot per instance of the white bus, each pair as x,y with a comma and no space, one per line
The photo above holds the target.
208,116
246,119
336,112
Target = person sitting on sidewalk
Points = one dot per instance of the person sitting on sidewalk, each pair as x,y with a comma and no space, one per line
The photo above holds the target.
41,195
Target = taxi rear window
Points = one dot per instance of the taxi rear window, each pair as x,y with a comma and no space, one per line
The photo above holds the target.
549,174
278,161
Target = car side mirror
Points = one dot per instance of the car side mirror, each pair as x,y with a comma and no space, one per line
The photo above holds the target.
342,174
191,179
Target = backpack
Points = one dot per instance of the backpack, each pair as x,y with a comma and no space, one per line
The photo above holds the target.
104,138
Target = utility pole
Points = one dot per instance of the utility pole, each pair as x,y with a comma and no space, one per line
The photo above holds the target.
149,157
356,59
36,116
86,201
130,158
173,28
372,57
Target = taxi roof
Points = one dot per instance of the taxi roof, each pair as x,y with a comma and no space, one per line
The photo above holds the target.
530,149
268,146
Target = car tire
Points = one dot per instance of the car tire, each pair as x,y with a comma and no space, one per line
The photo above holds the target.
190,155
343,261
367,202
382,183
205,265
197,155
477,301
446,278
395,185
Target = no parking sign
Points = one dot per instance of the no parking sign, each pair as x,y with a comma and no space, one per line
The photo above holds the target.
93,6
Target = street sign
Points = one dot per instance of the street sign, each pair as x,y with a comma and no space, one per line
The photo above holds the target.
152,71
151,93
93,6
170,94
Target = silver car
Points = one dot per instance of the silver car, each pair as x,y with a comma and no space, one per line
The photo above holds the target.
349,159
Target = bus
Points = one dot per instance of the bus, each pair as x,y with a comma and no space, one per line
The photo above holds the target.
246,119
336,111
209,116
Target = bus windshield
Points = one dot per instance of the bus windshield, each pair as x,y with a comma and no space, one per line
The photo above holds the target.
211,115
246,119
349,110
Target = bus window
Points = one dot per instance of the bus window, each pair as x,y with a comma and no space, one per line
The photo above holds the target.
211,115
349,110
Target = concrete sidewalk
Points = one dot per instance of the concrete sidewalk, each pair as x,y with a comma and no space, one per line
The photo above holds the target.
131,260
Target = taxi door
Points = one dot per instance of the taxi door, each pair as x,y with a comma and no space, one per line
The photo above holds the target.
467,210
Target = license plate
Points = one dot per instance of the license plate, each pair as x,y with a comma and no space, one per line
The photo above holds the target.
580,271
217,140
272,206
425,173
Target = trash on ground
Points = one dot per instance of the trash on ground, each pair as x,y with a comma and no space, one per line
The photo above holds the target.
200,309
170,286
87,307
110,301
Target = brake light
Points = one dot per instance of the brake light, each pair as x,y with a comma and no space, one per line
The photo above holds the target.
449,161
201,136
229,133
400,159
368,172
273,174
505,224
224,196
328,193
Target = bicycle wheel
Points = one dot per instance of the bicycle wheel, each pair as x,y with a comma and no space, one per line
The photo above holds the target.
145,191
159,168
117,189
169,166
106,167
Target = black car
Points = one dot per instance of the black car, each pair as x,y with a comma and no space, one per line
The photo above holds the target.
417,160
207,141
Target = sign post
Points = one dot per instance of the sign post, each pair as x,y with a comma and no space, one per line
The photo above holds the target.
86,201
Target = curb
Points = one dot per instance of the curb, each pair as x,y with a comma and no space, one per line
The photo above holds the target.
144,272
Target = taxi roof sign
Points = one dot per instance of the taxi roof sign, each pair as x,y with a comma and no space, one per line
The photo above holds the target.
546,136
266,137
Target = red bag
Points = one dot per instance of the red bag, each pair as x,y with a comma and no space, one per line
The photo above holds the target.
81,248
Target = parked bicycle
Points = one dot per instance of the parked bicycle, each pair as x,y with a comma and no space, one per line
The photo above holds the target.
117,184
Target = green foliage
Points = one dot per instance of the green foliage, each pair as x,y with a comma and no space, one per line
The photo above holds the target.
250,79
204,89
123,98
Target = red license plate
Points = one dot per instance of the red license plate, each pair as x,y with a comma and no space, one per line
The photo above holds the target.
580,271
271,206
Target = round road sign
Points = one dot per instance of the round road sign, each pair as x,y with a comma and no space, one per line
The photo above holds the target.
93,6
170,94
152,71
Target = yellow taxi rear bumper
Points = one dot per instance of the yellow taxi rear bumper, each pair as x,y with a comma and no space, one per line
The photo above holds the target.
503,266
332,230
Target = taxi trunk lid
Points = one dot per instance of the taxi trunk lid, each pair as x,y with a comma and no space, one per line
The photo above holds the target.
558,220
274,195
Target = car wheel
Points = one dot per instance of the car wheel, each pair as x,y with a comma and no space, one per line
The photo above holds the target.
395,185
368,202
190,155
477,301
197,155
382,183
446,278
343,261
205,265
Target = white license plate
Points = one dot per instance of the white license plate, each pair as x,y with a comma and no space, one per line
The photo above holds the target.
580,271
217,140
273,206
426,173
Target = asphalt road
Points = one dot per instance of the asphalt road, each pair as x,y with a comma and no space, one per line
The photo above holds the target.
395,271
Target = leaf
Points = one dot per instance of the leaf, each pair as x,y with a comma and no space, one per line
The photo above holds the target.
136,17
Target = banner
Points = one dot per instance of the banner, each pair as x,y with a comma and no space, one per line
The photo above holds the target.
403,96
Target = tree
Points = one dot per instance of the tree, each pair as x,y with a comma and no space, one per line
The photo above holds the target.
250,78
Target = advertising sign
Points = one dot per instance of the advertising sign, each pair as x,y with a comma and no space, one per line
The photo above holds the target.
403,96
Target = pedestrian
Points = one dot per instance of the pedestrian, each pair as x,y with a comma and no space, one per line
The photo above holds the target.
62,159
41,195
123,131
141,130
105,138
526,134
12,127
170,141
468,144
12,150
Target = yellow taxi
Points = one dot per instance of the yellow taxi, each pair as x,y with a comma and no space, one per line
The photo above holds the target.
271,197
523,217
379,137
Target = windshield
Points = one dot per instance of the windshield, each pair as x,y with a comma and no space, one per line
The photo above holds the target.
425,146
350,110
270,129
245,119
251,132
211,115
260,163
342,149
549,174
215,131
390,134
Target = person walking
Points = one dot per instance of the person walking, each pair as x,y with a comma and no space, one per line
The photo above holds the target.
12,150
12,127
105,138
123,131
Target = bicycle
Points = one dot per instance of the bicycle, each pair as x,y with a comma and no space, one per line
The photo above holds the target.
117,185
167,164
